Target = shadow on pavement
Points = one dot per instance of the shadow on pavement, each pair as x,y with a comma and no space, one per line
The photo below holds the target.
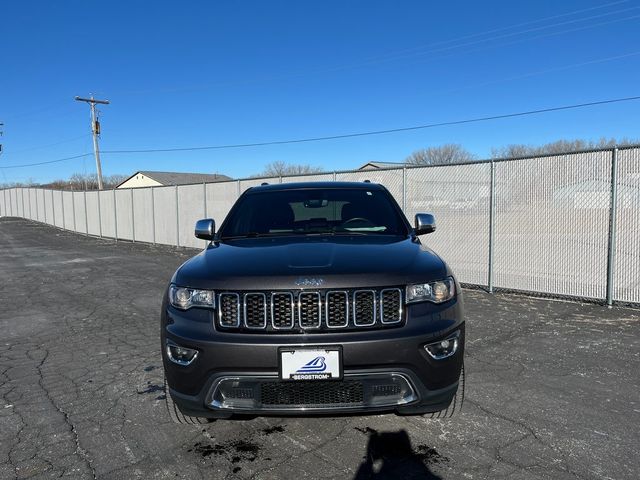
390,455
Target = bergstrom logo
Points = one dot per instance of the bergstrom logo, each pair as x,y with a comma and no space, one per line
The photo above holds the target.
314,366
313,370
309,282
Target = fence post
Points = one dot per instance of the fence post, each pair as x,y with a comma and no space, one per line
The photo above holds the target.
133,223
204,198
492,214
99,215
115,215
53,209
62,203
29,198
73,210
334,176
178,216
611,253
153,214
404,190
86,216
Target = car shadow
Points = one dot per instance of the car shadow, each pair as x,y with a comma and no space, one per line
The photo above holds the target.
390,455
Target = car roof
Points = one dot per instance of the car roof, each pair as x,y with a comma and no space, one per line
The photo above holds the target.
316,185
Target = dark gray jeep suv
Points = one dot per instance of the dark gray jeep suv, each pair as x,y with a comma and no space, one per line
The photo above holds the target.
313,298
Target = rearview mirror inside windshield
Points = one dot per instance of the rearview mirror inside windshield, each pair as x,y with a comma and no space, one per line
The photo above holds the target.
316,203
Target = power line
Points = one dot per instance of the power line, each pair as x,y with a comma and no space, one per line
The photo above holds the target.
13,152
379,132
48,162
522,32
509,27
427,49
348,135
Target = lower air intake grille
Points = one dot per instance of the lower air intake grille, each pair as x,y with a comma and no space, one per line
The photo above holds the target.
312,393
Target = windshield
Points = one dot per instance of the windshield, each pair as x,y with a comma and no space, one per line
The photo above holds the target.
314,211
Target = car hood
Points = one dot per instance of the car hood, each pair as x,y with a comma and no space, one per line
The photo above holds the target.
311,262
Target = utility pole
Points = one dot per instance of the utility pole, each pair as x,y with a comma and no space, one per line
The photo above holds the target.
95,129
1,125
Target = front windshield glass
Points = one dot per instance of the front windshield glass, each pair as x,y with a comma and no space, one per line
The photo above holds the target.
314,211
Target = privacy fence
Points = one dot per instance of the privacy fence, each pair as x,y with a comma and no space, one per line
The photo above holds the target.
566,225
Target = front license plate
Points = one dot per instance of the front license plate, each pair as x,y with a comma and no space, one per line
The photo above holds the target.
310,364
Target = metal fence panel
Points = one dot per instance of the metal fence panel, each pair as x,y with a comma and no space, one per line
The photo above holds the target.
14,203
143,214
57,208
458,197
391,179
190,210
626,280
125,214
19,202
48,206
26,199
93,214
80,213
67,209
165,215
31,203
108,213
220,197
552,219
40,206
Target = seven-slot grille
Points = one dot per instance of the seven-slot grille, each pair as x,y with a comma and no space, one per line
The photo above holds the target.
310,311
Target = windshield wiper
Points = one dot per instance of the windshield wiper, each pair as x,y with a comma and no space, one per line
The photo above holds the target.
250,235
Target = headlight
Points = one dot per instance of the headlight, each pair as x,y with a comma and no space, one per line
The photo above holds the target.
436,292
184,298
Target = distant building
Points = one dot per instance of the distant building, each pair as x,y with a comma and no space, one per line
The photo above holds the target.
379,165
159,179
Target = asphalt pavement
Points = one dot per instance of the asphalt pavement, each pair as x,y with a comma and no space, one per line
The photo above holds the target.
552,386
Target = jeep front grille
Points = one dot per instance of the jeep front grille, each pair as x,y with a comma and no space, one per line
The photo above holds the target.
310,311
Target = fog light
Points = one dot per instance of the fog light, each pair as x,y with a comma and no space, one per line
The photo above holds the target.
181,355
393,390
444,348
236,393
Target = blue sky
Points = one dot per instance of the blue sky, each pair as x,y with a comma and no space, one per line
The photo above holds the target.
182,74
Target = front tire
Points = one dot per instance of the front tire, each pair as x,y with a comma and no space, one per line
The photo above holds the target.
176,414
454,408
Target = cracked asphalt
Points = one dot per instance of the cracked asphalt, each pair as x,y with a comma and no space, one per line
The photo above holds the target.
552,387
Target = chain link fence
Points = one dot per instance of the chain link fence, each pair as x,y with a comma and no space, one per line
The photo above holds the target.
564,225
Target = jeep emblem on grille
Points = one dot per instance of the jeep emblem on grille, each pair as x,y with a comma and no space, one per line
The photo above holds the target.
309,282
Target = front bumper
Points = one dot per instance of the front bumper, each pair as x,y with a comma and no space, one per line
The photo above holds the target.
366,355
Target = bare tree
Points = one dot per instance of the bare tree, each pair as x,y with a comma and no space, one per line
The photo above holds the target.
446,154
279,168
80,181
557,147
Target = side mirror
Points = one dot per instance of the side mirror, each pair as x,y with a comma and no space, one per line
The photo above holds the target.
425,223
205,229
